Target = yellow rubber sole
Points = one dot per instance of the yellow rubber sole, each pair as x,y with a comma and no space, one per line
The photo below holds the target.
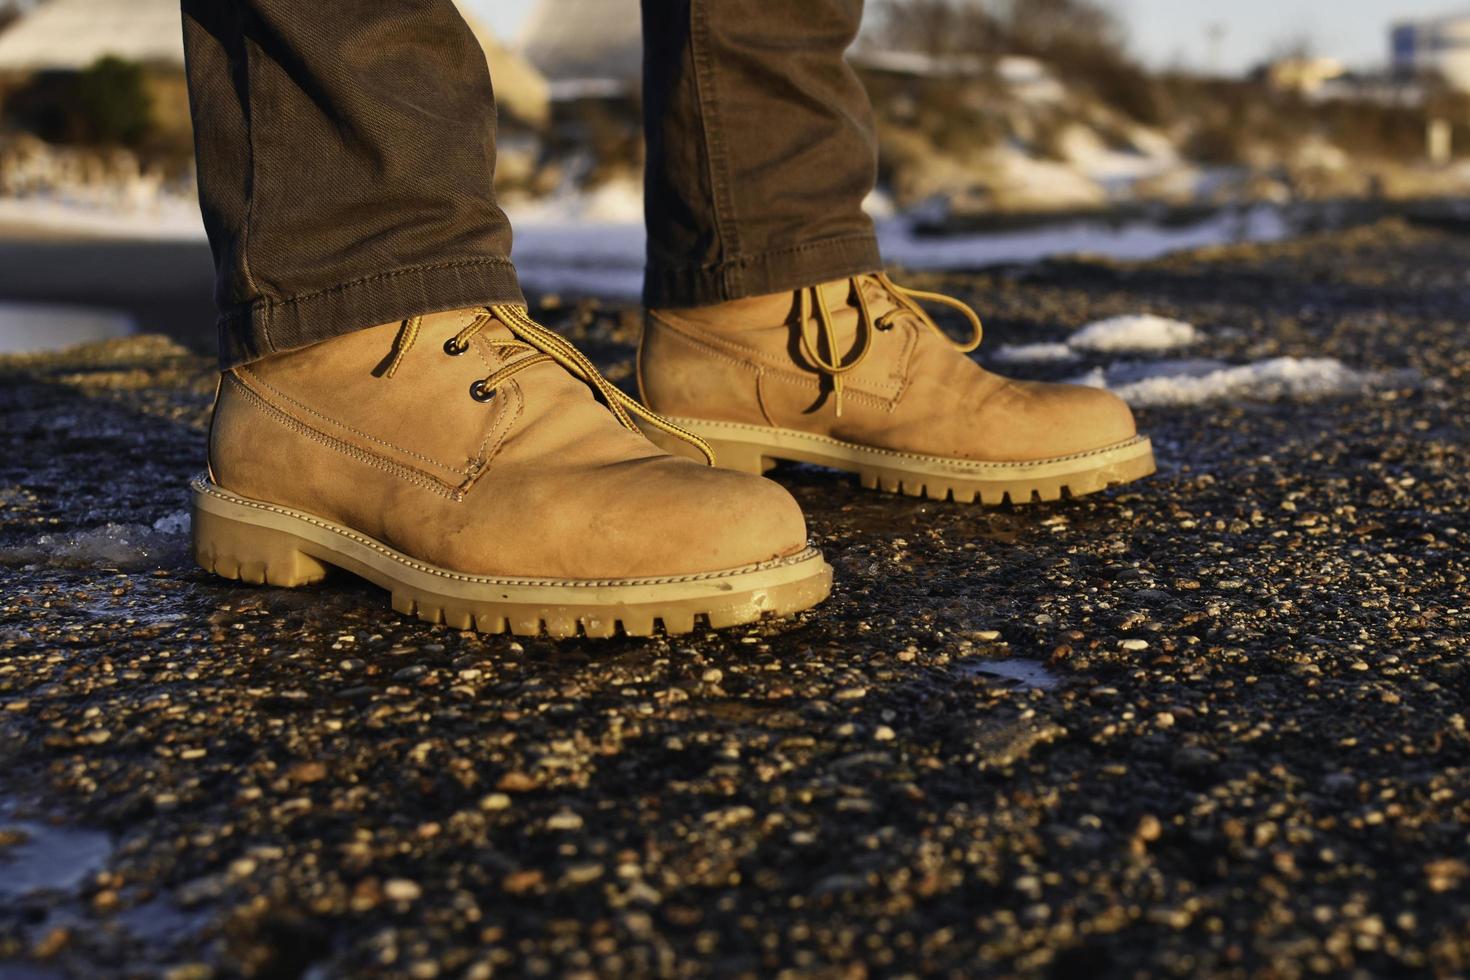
265,544
756,449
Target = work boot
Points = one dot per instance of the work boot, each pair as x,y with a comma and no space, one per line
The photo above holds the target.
856,376
478,467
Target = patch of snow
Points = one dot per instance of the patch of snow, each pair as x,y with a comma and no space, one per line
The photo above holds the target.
1137,333
1033,353
1195,382
1021,182
879,205
162,544
179,522
612,202
1031,80
1116,169
921,65
1134,333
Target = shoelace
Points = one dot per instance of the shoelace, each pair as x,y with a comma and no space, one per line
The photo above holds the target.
907,300
540,346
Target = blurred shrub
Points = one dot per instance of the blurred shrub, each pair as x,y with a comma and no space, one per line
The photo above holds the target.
1082,40
112,104
107,103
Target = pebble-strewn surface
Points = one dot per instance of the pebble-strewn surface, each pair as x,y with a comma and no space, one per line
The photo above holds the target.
1215,724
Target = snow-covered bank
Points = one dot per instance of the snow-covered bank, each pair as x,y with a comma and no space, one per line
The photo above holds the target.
164,218
606,258
594,244
27,327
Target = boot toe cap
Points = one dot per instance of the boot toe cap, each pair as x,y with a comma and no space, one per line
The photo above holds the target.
672,517
1099,419
1034,421
735,519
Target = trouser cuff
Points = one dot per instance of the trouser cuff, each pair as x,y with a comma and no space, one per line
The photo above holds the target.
268,326
757,275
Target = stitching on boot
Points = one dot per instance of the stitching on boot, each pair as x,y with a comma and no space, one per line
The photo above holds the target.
806,554
813,384
407,474
898,454
482,461
487,459
256,379
718,347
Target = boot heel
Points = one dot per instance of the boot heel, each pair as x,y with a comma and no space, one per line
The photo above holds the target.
247,553
740,456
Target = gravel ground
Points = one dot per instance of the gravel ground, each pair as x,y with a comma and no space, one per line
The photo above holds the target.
1211,725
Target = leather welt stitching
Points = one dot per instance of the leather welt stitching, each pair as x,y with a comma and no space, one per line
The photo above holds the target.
256,379
405,473
805,555
705,426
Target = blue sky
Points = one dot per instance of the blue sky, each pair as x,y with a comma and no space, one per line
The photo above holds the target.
1166,31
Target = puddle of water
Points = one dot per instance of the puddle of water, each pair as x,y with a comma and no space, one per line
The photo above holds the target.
1018,670
47,858
27,328
12,970
161,922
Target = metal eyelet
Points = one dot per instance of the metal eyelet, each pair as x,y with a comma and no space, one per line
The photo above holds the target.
453,349
480,393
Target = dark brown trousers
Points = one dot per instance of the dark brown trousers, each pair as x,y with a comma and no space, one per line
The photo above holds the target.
347,159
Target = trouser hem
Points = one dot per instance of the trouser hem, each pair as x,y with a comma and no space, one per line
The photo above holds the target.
774,271
269,326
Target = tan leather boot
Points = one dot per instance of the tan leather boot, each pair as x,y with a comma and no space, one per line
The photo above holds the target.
854,375
461,461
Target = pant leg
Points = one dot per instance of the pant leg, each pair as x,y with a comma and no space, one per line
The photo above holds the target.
761,148
346,156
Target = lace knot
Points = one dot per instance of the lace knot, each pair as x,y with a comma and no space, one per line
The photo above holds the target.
813,309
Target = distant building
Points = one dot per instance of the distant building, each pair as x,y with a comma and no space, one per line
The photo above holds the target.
586,47
69,35
1304,75
1434,48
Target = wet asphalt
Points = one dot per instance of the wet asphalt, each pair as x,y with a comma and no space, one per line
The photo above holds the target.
1214,724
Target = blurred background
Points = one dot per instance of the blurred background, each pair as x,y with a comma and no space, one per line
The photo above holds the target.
1012,130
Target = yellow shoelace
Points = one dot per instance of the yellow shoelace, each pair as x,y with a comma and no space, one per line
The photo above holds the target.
541,346
908,301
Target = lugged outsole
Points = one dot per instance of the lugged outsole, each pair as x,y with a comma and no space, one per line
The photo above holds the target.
756,449
264,544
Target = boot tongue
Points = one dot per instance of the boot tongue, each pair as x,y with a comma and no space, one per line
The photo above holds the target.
841,296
